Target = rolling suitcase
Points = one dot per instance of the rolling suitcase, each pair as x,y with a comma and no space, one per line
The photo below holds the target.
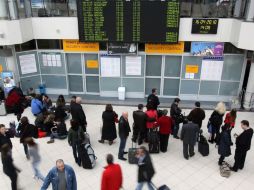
163,187
203,146
2,108
132,155
153,141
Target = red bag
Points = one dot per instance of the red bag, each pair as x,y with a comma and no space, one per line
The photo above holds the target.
41,134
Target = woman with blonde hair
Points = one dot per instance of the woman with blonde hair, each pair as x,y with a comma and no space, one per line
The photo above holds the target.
216,120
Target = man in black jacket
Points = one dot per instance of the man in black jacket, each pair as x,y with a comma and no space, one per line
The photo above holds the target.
124,129
145,169
139,125
189,135
78,113
153,99
243,144
4,137
197,115
175,113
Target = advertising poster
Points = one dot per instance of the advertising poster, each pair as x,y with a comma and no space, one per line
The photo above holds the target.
8,81
207,48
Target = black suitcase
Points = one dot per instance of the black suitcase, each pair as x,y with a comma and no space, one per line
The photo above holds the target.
203,146
132,155
163,187
153,141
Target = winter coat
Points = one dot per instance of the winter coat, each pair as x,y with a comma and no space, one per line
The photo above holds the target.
216,119
36,106
5,139
139,118
153,100
78,114
151,114
165,123
61,129
109,127
197,115
60,113
52,178
243,141
189,133
112,177
124,128
8,166
145,169
224,144
75,135
27,131
175,110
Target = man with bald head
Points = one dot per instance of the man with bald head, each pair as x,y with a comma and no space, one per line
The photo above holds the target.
78,113
124,129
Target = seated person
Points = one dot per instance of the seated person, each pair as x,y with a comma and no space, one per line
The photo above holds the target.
47,102
59,131
37,106
49,123
60,113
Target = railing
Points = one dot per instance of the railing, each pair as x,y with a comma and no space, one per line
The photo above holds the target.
16,9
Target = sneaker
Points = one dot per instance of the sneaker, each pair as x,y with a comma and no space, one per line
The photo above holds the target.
51,141
176,137
232,169
110,142
125,152
192,154
101,141
28,157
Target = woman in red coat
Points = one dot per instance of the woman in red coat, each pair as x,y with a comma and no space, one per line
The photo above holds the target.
230,119
166,123
112,176
152,117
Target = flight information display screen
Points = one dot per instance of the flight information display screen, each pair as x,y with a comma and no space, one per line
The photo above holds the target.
129,21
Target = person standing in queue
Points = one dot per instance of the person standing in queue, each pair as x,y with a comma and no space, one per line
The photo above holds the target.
175,112
153,99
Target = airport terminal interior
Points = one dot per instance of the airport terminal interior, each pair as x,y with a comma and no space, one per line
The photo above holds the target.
119,52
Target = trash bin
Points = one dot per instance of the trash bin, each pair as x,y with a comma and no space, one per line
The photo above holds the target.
121,93
42,89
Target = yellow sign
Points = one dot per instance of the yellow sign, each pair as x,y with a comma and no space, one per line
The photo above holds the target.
75,45
191,69
1,68
165,48
92,64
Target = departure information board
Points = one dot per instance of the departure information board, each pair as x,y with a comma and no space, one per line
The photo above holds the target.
129,21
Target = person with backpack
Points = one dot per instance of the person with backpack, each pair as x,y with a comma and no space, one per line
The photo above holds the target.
175,113
145,169
215,121
26,130
124,130
153,99
243,144
112,175
34,154
165,123
224,143
59,131
75,138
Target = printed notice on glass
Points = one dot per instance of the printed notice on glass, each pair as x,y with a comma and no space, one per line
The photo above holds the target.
133,65
27,64
110,67
211,69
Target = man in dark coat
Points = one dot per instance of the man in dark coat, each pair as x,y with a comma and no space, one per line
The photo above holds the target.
175,112
145,169
189,137
124,129
243,144
153,99
4,137
78,113
139,125
197,115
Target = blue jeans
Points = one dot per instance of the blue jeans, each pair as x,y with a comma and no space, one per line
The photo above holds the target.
57,136
122,147
37,172
141,184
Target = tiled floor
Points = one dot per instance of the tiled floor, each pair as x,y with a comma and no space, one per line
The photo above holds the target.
198,173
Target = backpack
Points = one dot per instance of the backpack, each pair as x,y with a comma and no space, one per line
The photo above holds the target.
88,158
225,169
